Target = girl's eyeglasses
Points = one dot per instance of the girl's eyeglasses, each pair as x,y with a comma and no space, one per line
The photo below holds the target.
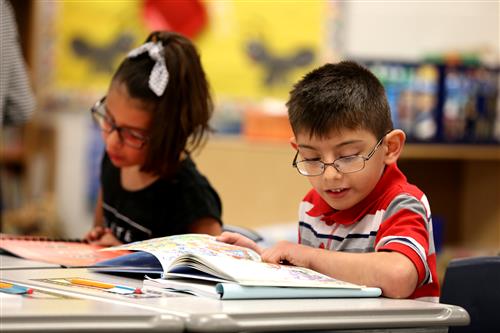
134,138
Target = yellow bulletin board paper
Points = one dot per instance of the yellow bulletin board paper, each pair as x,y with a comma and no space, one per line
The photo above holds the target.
92,38
282,27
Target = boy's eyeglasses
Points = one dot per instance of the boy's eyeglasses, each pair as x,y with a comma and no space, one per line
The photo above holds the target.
131,137
347,164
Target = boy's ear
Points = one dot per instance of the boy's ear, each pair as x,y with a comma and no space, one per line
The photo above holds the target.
293,143
394,142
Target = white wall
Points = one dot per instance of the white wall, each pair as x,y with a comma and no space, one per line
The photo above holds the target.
72,130
407,29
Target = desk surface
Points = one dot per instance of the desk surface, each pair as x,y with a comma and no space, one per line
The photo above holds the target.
208,315
8,261
42,312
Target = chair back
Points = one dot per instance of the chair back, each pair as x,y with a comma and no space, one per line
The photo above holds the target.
474,284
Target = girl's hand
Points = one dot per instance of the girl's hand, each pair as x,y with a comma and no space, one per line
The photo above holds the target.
108,239
102,236
95,234
289,253
238,239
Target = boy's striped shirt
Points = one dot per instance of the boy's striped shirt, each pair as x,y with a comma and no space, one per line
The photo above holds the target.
395,216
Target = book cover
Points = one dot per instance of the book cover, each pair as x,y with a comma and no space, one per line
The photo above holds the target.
207,263
68,253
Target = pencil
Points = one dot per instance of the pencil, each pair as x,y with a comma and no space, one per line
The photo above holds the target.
92,283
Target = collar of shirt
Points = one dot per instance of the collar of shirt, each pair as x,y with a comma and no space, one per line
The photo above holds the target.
348,216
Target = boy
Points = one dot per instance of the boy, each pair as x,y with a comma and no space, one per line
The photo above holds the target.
362,222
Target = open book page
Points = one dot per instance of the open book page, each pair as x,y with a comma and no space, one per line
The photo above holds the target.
252,273
168,249
199,256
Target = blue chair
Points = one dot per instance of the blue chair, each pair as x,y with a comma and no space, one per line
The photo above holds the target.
474,284
253,235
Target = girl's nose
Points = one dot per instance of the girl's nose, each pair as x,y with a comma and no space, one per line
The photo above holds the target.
113,139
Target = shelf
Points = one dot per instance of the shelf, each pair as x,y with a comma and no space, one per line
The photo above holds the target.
451,152
490,152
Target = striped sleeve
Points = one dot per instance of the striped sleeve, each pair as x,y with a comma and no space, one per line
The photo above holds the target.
16,97
406,228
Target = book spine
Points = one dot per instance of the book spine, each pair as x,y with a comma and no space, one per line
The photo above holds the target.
40,238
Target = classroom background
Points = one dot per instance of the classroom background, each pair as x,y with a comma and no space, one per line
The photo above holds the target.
439,62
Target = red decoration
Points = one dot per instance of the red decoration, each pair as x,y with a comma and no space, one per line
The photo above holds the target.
187,17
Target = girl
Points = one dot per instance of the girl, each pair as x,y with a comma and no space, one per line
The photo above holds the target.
155,113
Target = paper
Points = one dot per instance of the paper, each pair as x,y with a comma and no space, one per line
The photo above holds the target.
65,253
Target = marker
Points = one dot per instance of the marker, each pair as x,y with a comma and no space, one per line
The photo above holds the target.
14,289
4,285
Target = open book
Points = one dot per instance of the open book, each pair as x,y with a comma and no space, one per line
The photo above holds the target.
68,253
194,262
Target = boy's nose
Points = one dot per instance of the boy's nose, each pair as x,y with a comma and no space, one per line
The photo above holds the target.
331,173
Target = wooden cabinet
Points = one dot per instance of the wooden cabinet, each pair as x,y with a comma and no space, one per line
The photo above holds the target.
259,187
463,186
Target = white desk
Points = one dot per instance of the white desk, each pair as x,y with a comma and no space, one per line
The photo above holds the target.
208,315
79,314
8,261
46,310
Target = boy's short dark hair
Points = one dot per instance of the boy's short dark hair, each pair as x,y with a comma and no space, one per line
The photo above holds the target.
339,96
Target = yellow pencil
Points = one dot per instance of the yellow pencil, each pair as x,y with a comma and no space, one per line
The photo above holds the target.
91,283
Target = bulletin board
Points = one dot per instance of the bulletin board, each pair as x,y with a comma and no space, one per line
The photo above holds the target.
92,39
255,49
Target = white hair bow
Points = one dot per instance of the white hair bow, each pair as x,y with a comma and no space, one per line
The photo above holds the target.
158,78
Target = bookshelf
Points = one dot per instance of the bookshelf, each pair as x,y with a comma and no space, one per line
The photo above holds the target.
259,187
27,172
12,167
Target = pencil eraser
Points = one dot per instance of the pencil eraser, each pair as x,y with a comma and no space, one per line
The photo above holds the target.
137,291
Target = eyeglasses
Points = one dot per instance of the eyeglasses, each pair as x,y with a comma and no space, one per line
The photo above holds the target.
347,164
131,137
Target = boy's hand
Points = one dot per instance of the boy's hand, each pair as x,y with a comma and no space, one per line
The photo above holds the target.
290,253
102,236
238,239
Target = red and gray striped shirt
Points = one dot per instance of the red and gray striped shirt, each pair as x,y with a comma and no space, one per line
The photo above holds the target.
395,216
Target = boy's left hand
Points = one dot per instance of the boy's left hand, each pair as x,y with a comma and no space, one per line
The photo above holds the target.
238,239
290,253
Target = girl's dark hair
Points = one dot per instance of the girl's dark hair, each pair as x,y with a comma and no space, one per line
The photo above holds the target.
180,121
339,96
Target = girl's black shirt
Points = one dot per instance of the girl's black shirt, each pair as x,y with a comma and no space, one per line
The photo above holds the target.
164,208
